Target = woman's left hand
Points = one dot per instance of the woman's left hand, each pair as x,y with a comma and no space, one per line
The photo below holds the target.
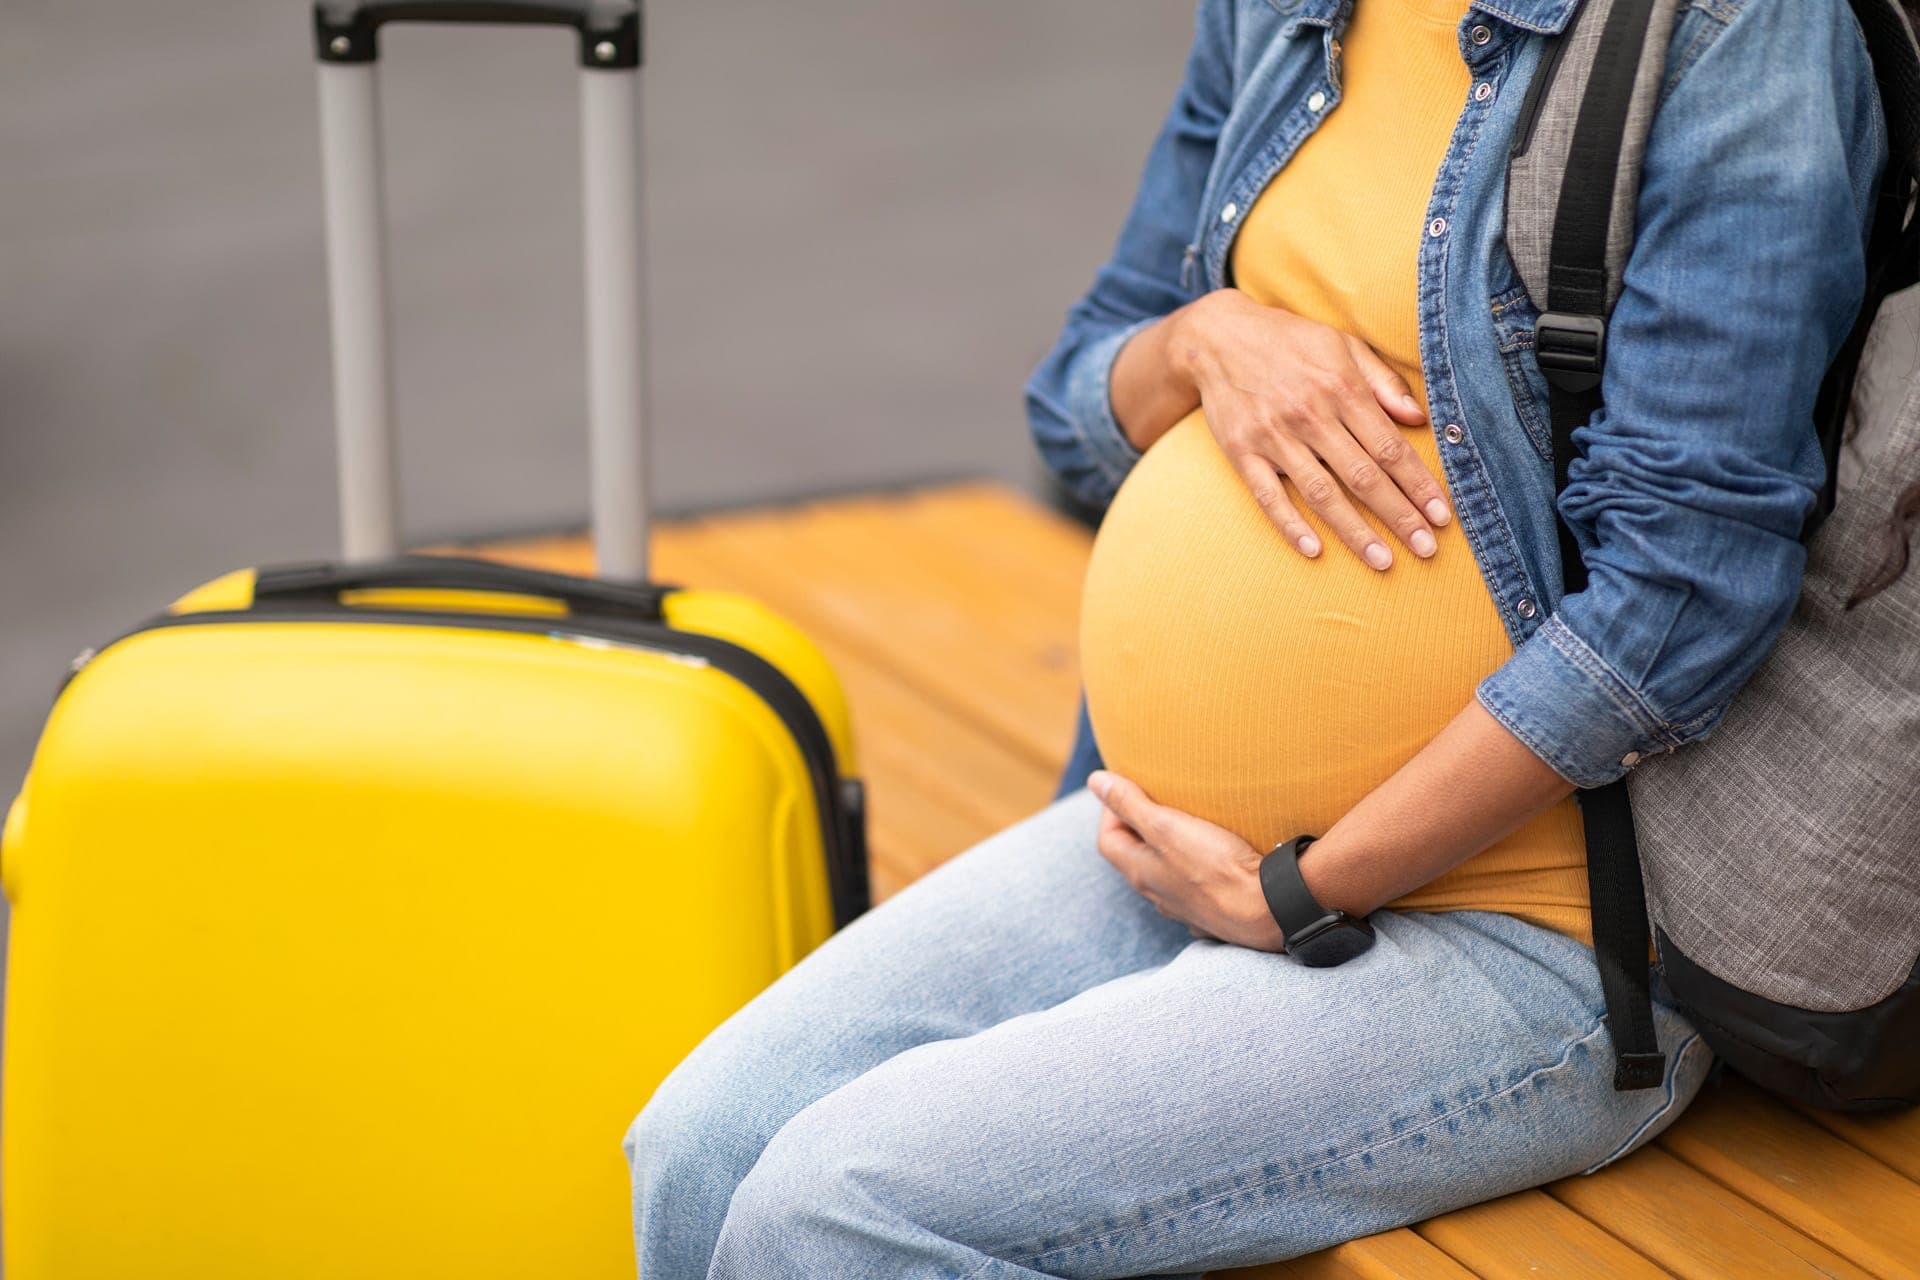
1189,869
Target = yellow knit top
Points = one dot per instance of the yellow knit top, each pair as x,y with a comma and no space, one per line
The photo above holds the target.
1226,673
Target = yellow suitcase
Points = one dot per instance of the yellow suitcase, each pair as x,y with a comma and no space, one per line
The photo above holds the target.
347,938
359,907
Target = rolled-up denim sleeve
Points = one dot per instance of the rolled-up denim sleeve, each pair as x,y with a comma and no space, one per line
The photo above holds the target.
1692,483
1069,411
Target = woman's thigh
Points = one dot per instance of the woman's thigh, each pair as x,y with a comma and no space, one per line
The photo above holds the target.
1227,1108
1021,921
1025,919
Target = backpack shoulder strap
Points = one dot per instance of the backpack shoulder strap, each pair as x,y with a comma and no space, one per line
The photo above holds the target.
1538,161
1579,156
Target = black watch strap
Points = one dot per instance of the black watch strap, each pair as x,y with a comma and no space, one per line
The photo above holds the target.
1293,907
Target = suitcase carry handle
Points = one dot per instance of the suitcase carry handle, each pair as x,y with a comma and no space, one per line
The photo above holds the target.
346,30
307,585
348,51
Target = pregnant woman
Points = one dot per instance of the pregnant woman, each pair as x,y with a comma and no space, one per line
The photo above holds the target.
1325,602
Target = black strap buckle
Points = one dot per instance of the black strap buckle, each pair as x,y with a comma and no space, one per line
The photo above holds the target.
1570,349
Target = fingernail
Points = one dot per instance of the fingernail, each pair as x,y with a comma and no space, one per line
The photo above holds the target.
1309,545
1410,404
1378,556
1423,543
1098,782
1437,511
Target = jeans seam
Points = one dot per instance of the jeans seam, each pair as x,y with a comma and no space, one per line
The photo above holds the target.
1666,1106
1187,1206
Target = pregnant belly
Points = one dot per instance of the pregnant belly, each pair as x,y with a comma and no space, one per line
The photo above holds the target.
1234,678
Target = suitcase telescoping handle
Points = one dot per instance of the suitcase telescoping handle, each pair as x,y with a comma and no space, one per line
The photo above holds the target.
347,36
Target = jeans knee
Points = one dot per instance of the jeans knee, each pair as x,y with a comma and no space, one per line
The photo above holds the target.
690,1114
687,1151
796,1192
652,1131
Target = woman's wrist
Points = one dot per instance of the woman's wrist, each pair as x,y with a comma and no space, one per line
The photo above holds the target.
1189,341
1152,384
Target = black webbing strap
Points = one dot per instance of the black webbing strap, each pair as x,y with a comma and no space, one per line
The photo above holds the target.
1570,344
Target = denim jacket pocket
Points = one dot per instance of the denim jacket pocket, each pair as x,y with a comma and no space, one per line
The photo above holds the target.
1514,316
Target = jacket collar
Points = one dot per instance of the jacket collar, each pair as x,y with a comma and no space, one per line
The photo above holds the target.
1548,17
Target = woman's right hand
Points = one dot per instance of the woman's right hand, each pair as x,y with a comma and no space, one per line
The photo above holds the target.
1287,396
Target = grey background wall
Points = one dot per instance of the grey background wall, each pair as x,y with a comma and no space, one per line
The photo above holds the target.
867,218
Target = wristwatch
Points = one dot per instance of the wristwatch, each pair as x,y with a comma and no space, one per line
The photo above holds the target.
1315,936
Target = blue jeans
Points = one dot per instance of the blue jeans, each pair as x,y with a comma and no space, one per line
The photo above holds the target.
1083,758
1016,1067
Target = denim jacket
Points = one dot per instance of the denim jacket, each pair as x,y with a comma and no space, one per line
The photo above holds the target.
1746,273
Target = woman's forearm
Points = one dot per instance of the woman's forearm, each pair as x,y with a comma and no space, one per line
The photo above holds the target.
1150,387
1471,785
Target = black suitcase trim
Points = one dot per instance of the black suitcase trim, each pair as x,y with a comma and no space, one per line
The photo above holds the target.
840,802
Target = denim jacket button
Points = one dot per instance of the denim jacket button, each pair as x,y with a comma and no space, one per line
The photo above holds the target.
1226,214
1316,100
1526,607
1630,759
1453,433
1480,33
1482,91
1438,227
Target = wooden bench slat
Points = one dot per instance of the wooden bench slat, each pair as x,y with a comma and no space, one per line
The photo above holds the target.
906,613
1892,1139
1693,1226
1027,609
1049,557
1528,1235
1008,546
1795,1169
1391,1255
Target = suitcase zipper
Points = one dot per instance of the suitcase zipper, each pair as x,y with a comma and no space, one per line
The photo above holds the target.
839,801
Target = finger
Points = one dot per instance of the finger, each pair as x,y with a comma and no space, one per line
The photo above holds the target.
1114,828
1128,854
1164,824
1368,481
1390,448
1119,845
1387,445
1134,806
1264,483
1327,500
1389,389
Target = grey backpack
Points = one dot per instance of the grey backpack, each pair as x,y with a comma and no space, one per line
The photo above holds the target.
1777,861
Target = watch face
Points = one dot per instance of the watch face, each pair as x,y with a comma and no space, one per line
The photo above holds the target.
1335,940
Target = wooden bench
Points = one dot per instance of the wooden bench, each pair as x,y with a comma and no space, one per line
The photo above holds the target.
950,614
